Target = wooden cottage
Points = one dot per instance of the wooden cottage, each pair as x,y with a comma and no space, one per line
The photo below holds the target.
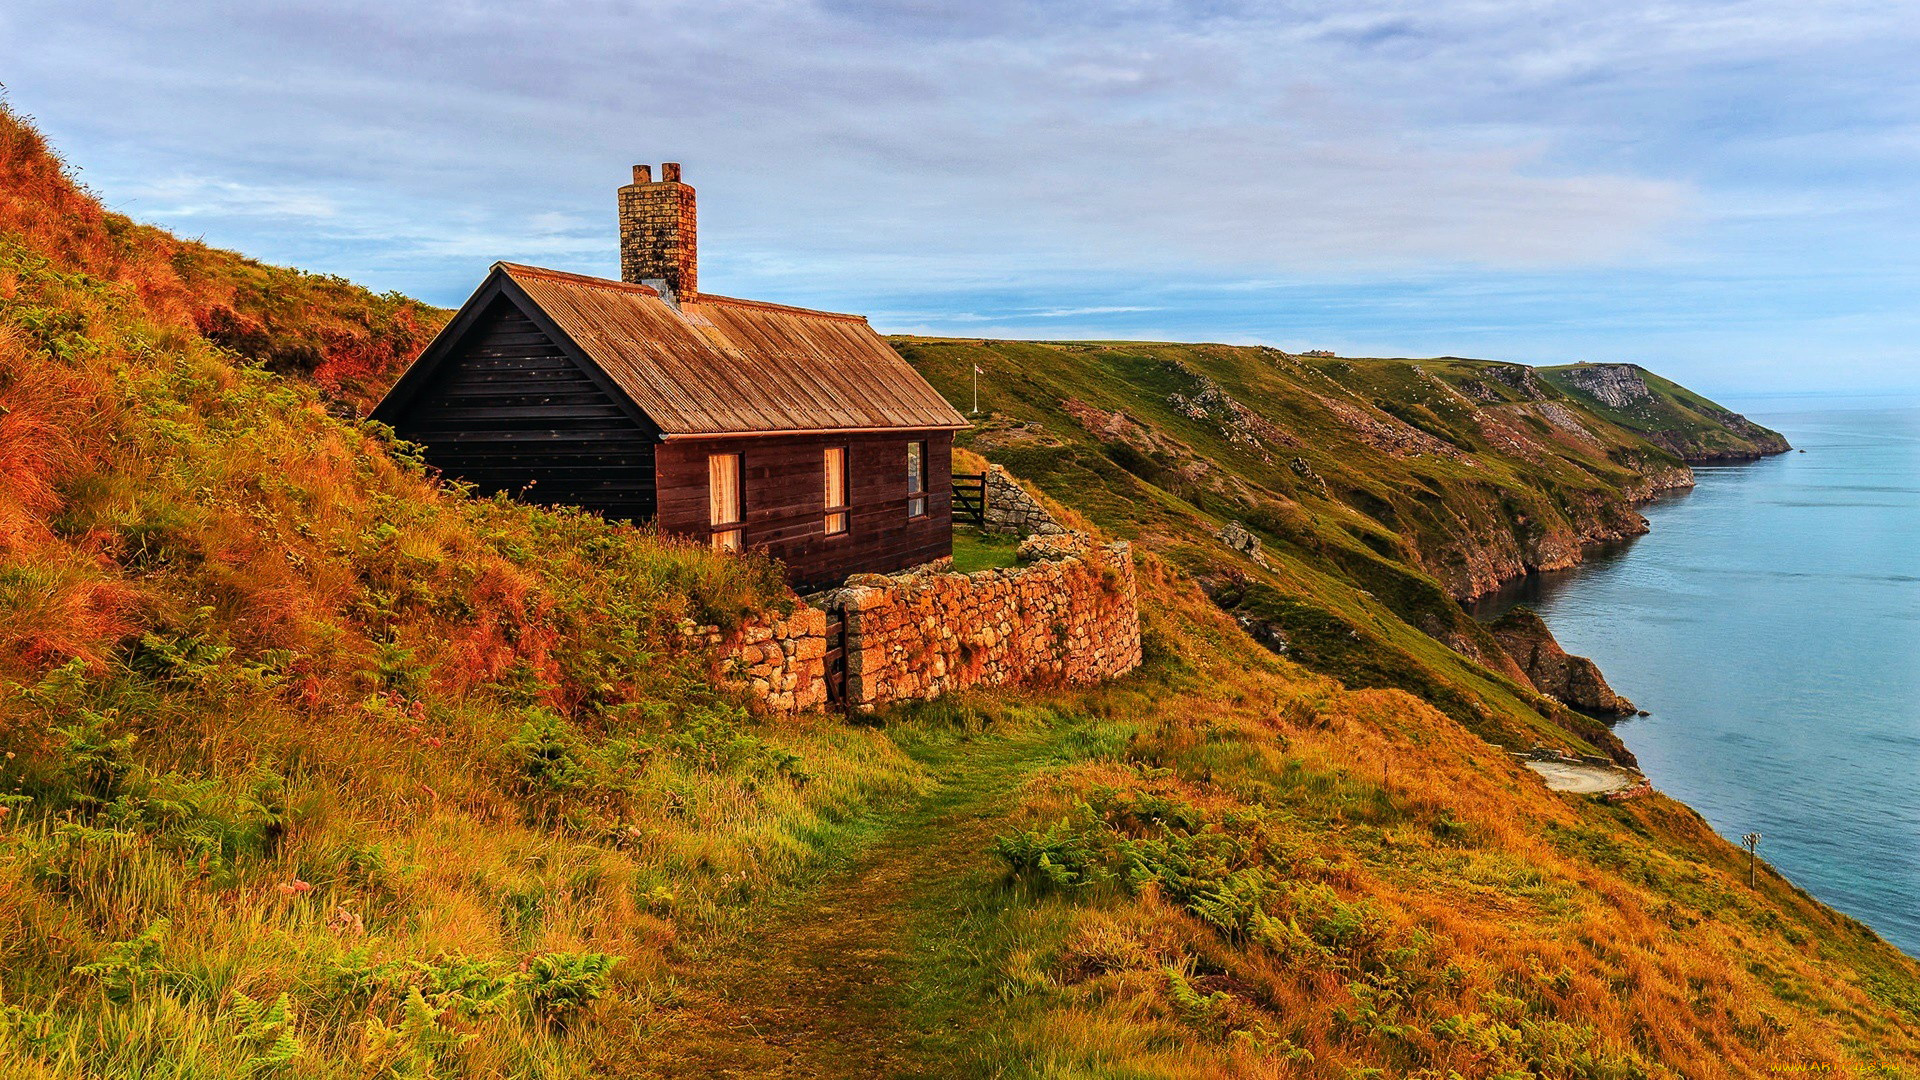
740,423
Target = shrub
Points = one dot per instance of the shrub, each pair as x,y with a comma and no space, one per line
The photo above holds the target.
125,967
561,982
548,756
1063,857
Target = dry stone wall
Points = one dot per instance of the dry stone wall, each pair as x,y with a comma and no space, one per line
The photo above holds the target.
1070,619
1057,622
1011,510
779,659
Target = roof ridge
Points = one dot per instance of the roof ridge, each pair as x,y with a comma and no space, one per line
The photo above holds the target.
702,298
523,270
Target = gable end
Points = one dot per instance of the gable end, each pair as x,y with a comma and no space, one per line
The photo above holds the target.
502,402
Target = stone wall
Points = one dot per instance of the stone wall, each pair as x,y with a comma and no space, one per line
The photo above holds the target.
1071,619
1057,622
780,660
1011,510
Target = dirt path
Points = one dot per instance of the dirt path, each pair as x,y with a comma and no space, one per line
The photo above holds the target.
825,990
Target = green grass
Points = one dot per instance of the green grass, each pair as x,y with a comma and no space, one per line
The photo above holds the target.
974,550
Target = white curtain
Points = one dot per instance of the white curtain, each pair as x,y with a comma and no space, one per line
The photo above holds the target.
836,476
723,489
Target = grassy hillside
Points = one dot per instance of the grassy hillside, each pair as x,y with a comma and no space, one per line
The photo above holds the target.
316,768
1664,412
304,752
1382,491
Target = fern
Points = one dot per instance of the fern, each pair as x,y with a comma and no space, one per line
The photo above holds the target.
1203,1012
124,966
267,1031
417,1046
560,982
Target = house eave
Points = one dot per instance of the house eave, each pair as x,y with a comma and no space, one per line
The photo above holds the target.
688,436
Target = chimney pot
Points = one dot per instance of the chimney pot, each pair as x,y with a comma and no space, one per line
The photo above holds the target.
643,174
670,172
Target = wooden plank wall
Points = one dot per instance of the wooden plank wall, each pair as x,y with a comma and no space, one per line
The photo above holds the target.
509,411
784,489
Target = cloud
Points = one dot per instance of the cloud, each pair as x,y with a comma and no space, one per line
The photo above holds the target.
1164,134
1005,157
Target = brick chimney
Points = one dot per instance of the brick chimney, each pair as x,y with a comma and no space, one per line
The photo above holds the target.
657,240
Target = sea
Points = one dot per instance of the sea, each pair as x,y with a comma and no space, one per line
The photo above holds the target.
1770,623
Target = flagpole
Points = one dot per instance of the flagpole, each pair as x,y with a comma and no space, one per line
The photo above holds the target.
976,388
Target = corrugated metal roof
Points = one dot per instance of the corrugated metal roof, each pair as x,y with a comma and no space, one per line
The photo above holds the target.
717,366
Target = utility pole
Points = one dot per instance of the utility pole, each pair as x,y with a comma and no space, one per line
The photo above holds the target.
1752,840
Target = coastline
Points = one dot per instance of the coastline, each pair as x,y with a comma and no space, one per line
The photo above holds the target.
1801,733
1589,540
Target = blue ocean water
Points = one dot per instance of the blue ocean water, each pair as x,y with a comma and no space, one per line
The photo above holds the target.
1771,624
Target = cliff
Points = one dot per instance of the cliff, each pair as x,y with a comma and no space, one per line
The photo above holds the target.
1666,413
1573,680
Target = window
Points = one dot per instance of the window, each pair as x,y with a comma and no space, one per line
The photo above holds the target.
836,490
724,500
916,479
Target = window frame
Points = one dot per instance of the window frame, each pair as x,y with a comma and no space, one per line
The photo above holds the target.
917,504
728,535
844,510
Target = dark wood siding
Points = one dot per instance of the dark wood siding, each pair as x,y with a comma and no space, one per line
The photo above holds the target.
785,495
509,411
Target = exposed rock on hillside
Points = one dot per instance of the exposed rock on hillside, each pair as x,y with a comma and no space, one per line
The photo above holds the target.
1573,680
1236,536
1666,414
1238,423
1618,386
1386,432
1521,378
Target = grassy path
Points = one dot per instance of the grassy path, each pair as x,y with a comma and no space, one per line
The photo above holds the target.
856,976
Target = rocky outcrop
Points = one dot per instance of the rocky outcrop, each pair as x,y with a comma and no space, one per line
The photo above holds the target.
1487,550
1574,681
1617,386
1686,425
1520,377
1241,539
1237,423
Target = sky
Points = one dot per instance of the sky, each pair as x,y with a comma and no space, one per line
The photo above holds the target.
1724,192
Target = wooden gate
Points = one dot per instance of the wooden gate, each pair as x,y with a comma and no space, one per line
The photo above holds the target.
970,497
836,663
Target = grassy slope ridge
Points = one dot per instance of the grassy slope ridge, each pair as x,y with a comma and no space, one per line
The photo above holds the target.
1665,412
316,769
1382,490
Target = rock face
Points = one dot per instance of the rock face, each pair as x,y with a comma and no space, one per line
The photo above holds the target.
1573,680
1619,386
1691,428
